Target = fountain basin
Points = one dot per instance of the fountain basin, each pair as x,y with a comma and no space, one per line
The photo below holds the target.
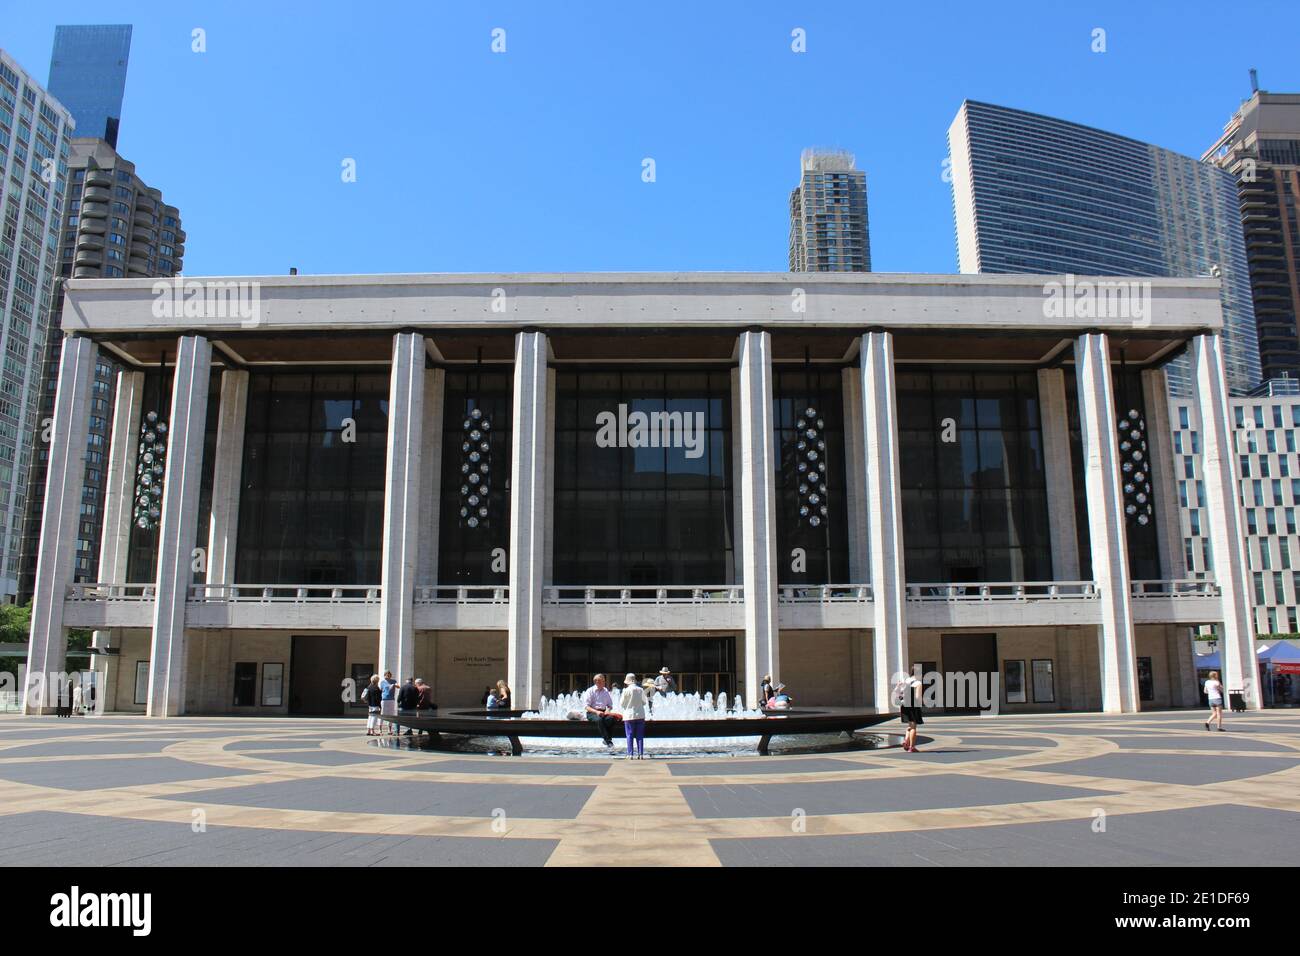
513,726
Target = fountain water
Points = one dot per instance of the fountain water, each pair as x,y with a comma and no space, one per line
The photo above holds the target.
661,707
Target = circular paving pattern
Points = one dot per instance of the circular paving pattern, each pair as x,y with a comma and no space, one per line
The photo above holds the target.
1060,789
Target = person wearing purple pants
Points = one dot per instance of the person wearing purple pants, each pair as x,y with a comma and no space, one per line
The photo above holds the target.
633,707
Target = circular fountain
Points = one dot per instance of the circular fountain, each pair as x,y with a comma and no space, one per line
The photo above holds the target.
676,725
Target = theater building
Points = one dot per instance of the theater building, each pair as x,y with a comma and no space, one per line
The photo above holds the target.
826,478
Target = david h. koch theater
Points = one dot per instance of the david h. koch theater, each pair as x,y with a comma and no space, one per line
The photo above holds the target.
825,478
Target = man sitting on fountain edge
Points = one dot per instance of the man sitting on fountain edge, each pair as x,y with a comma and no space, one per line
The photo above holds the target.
598,706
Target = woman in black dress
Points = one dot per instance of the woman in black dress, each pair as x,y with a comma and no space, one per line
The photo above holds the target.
911,700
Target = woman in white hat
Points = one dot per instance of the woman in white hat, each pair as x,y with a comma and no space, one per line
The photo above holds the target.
632,705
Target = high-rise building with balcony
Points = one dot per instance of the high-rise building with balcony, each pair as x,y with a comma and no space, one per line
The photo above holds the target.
1260,148
1041,195
116,226
34,150
828,215
88,75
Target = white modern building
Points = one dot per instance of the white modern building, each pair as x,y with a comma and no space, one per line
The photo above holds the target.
825,478
1266,461
34,131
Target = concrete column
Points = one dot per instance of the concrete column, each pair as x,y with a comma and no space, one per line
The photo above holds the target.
402,479
1059,471
758,512
1183,691
60,517
855,479
885,520
527,520
435,384
1222,510
227,475
1106,523
1164,485
179,525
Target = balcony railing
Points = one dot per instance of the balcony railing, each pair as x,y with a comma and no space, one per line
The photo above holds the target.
688,594
824,593
1004,591
285,594
457,594
111,592
1184,588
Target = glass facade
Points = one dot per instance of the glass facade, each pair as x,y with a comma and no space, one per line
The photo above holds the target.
825,541
88,76
973,486
1042,195
643,478
311,509
465,552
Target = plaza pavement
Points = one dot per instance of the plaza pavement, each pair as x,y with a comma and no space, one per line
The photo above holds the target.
1151,789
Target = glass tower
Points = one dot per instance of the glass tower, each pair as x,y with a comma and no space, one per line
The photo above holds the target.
88,75
1040,195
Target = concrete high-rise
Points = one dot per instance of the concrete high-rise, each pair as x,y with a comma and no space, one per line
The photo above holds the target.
828,215
116,226
34,149
1041,195
1260,148
88,75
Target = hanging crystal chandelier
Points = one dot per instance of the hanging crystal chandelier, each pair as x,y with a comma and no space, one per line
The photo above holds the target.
810,465
151,465
1135,468
475,469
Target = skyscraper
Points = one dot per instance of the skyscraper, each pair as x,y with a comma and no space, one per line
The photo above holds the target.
1041,195
828,215
1260,148
34,148
88,75
116,225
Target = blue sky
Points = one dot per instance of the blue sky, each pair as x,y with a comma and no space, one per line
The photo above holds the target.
531,160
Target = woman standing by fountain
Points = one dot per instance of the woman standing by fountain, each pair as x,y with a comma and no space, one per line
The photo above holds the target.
632,705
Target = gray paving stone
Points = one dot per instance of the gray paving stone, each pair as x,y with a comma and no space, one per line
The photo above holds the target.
358,795
80,748
107,773
1241,836
523,766
1175,768
867,796
67,839
764,765
1205,740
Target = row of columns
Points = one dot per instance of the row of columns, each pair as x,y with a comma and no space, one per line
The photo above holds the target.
412,469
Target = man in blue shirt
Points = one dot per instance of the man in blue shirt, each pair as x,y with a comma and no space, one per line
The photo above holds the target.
388,699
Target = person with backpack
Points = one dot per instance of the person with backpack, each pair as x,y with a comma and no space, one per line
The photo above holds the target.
372,697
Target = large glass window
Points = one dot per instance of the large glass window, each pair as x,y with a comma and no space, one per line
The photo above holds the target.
971,459
465,550
643,483
312,506
823,539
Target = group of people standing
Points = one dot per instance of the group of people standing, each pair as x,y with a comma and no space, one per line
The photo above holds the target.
384,698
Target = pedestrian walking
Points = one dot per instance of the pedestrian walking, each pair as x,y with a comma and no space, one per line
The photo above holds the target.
1214,691
908,694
